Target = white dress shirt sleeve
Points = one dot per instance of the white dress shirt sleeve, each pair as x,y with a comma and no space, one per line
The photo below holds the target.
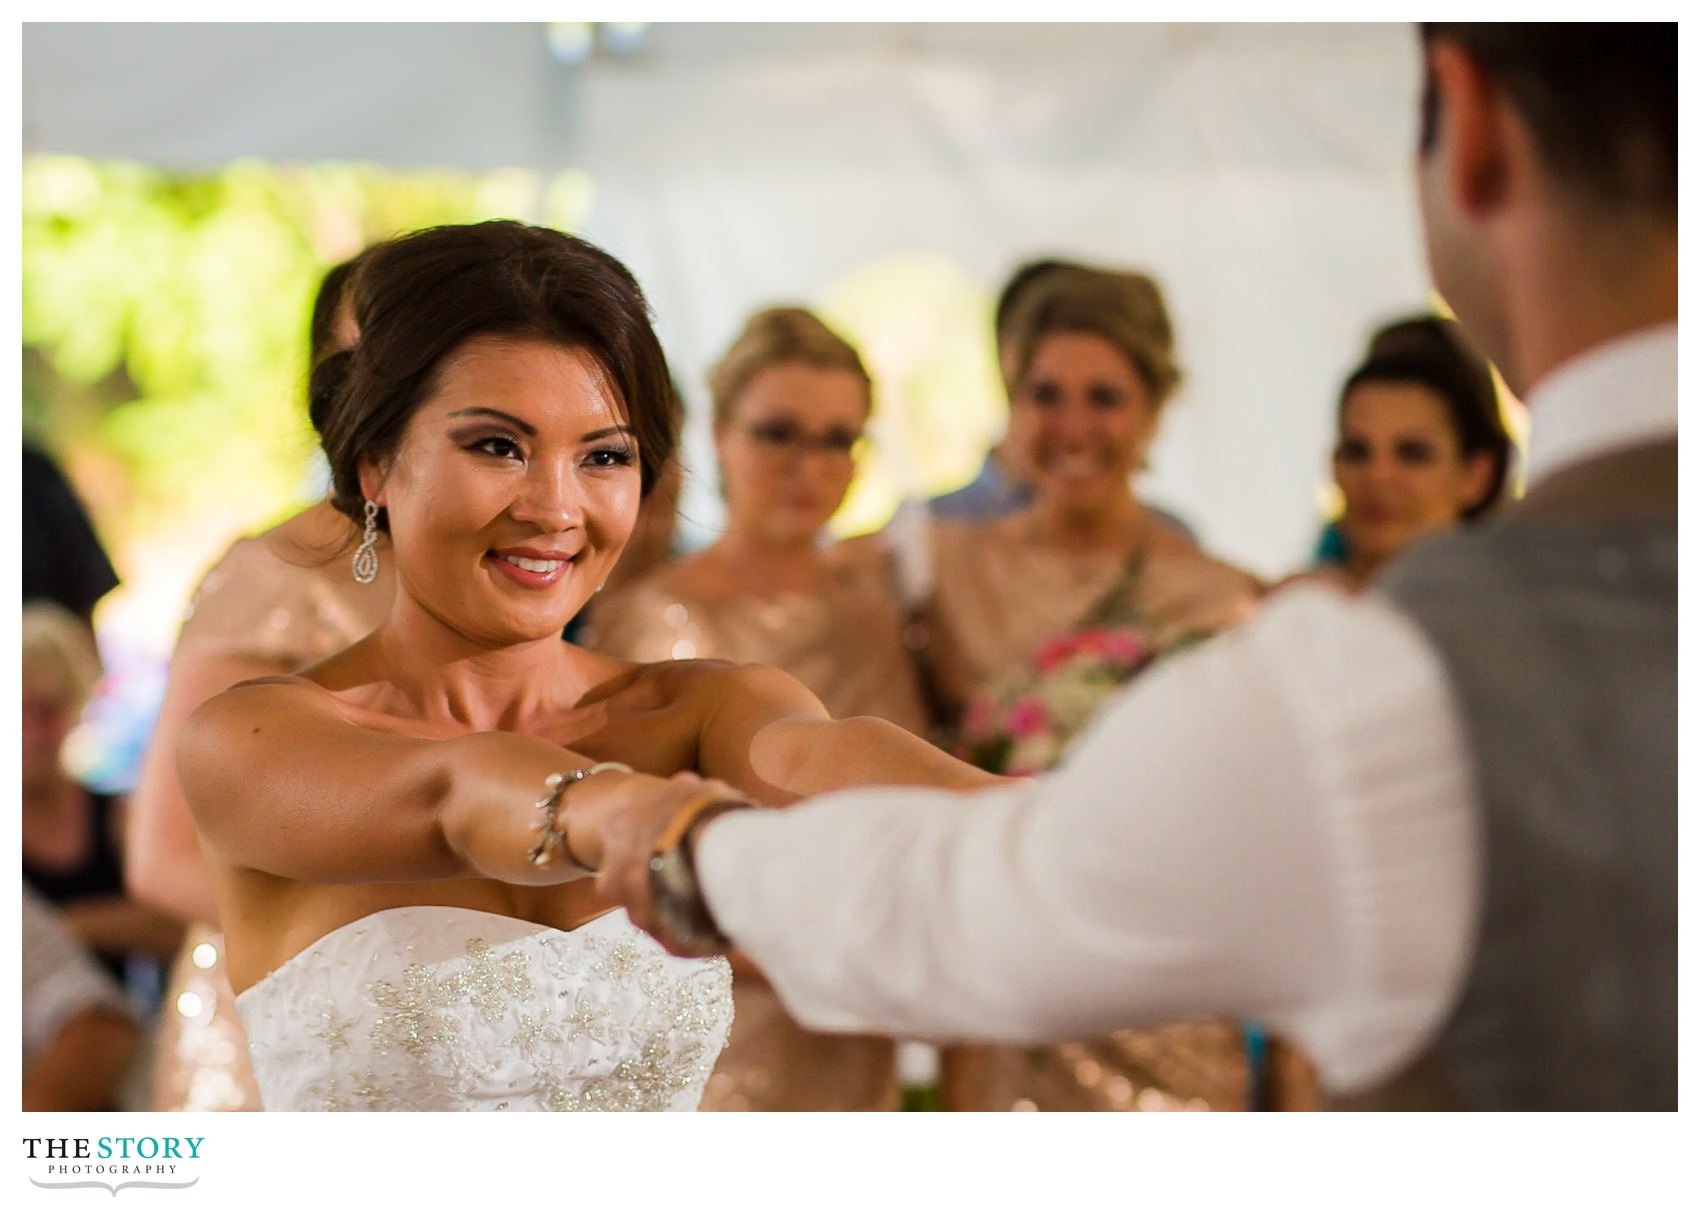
1279,825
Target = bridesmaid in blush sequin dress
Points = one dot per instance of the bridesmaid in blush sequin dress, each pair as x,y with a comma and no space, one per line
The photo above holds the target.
1087,357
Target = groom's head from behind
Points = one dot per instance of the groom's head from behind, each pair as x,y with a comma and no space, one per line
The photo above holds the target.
1547,175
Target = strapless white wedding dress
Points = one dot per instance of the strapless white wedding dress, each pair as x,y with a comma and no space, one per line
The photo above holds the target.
437,1008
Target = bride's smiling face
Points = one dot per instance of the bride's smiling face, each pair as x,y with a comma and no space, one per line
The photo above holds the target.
513,490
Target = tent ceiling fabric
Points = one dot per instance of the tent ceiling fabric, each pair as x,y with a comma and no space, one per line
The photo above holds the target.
190,96
836,97
1261,171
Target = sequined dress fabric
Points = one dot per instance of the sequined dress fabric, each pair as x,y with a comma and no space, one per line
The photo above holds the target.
438,1008
252,605
995,598
846,645
844,642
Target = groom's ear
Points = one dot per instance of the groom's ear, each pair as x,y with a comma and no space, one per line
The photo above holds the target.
1477,133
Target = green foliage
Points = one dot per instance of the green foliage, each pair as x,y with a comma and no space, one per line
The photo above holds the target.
166,318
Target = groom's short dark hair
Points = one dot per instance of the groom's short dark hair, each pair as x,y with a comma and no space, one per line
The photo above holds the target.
1599,100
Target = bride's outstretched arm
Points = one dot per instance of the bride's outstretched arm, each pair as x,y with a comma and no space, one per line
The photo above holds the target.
281,783
768,735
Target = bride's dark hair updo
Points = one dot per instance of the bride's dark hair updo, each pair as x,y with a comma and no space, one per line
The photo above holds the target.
420,297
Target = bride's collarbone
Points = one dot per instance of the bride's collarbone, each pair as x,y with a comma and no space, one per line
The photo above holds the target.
638,729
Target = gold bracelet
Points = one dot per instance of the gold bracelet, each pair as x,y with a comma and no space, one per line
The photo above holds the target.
550,833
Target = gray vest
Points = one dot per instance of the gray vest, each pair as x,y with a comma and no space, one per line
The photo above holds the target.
1556,622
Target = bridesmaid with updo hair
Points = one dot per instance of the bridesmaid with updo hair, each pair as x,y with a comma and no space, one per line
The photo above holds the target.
1421,445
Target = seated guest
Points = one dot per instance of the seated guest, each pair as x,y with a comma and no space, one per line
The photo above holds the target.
80,1036
791,400
71,834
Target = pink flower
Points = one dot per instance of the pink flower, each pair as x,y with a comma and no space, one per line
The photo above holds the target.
1026,718
1054,652
1124,647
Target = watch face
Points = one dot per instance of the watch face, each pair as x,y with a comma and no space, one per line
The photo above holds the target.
678,905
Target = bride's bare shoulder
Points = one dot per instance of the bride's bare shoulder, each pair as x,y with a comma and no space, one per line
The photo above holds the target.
274,697
236,736
657,683
700,690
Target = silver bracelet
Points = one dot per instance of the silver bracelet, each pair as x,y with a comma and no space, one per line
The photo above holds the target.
550,834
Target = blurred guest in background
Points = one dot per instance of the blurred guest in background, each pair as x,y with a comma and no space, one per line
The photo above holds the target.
272,604
63,560
1002,486
1421,446
80,1035
71,834
1086,567
1089,365
791,401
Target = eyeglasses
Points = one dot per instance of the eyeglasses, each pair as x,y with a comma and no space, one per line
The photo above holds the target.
786,437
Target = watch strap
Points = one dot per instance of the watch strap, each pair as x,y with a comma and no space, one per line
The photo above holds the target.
691,812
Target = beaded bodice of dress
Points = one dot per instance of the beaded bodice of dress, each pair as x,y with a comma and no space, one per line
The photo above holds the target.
439,1008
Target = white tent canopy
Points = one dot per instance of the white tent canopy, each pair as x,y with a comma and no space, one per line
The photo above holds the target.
1262,173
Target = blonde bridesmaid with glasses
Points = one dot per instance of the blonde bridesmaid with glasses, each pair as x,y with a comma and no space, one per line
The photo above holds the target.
791,400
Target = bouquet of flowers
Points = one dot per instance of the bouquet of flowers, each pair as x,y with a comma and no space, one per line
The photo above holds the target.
1024,725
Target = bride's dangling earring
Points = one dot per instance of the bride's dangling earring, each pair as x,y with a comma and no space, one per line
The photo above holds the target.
366,555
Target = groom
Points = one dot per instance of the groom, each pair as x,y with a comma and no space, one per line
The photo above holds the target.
1428,832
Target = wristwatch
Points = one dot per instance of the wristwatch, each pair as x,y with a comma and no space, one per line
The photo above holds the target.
682,914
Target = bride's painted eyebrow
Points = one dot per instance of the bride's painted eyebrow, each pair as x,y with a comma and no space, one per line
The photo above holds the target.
530,431
608,432
524,427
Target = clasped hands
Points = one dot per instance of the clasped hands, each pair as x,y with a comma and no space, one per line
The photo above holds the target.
616,831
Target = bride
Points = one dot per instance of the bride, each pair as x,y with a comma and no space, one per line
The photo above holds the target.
406,924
